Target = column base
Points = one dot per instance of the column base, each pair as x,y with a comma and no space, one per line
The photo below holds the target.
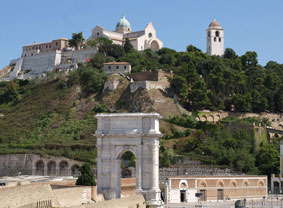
153,198
109,194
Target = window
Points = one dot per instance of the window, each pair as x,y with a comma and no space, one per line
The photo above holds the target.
50,46
117,67
128,29
56,43
149,35
109,67
208,33
36,47
125,67
46,46
97,34
217,33
32,54
214,39
219,39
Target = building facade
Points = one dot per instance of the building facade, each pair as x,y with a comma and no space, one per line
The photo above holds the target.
215,39
140,40
117,67
214,188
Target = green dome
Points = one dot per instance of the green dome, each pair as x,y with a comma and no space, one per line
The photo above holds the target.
123,23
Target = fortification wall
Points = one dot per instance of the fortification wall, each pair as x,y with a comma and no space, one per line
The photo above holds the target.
41,62
80,55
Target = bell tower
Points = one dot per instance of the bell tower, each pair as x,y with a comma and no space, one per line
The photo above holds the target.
215,39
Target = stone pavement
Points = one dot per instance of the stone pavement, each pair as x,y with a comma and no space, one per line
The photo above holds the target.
271,202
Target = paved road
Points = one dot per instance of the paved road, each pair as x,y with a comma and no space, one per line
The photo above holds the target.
270,203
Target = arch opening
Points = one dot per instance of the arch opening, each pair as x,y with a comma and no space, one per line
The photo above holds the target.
63,168
75,170
39,168
128,164
154,46
51,168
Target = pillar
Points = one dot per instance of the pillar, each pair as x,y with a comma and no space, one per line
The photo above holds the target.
139,170
155,165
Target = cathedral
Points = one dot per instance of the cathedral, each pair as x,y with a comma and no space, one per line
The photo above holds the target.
140,40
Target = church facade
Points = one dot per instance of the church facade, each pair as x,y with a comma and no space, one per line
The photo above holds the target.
140,40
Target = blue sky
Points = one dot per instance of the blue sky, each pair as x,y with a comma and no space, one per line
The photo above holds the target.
249,25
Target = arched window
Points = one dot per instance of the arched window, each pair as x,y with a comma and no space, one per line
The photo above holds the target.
217,33
51,168
208,33
219,39
214,39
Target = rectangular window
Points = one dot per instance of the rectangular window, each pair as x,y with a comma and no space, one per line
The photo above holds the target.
219,39
125,67
117,67
109,67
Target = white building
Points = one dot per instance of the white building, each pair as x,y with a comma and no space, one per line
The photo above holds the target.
117,67
140,40
215,39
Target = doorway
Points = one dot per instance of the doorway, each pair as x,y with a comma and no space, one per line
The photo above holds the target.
220,194
183,195
203,195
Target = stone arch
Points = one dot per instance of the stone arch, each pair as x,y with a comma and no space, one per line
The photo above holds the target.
39,168
260,183
75,170
63,168
135,132
202,184
217,117
203,118
51,168
210,118
245,183
154,46
220,184
183,184
127,171
233,183
198,118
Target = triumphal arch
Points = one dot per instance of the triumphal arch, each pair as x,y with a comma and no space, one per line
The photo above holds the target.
138,133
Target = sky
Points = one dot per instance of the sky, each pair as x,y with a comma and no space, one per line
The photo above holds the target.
249,25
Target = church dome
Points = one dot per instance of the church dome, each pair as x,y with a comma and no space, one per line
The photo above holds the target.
214,23
123,23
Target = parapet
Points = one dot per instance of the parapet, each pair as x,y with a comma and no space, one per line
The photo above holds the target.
127,124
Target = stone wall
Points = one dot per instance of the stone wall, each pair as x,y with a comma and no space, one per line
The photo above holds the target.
73,196
31,164
130,202
41,62
27,196
79,55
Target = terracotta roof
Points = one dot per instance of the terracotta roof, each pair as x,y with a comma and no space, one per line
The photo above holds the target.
214,23
116,63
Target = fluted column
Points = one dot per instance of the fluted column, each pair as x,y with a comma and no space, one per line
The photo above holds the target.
139,169
155,164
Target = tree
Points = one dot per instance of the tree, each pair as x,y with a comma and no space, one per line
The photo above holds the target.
86,178
128,47
77,40
180,86
191,48
249,59
230,53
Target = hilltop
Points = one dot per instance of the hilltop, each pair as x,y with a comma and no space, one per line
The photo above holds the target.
55,115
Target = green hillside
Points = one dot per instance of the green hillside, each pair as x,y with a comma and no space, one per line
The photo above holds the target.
55,115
